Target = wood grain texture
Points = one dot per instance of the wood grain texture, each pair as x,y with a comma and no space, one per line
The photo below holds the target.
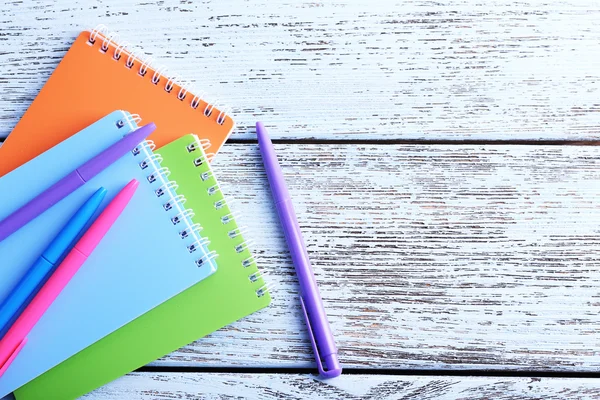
430,257
366,69
436,257
227,386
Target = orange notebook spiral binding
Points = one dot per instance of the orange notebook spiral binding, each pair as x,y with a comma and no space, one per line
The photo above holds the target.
99,75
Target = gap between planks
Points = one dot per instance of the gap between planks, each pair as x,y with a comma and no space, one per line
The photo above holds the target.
374,372
395,142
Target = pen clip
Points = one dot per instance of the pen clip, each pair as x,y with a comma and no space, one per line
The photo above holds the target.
322,371
13,355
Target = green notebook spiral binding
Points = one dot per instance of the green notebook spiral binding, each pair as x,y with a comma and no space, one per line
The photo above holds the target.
237,287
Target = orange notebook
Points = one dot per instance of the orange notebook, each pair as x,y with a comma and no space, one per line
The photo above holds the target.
96,77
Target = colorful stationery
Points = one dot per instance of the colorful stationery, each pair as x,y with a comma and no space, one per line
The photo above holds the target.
16,337
153,252
95,77
235,291
71,182
314,313
39,271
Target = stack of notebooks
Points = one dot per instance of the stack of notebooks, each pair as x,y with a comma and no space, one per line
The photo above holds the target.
176,247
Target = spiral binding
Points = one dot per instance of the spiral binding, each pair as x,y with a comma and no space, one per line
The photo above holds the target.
154,158
206,175
258,275
174,203
242,230
130,119
169,186
229,217
212,190
204,143
111,39
232,216
221,203
185,233
185,214
244,246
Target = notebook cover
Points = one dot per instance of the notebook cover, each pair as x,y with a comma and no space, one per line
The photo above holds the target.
141,262
90,83
184,318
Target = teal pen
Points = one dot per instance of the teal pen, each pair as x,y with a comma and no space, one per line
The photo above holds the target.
43,267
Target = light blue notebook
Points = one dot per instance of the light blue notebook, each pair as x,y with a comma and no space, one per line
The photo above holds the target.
152,253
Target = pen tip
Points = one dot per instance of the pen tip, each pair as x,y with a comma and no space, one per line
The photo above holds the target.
132,185
145,130
101,192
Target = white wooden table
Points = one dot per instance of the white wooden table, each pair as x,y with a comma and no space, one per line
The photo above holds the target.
440,160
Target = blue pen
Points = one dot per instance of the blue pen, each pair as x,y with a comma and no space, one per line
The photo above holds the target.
42,268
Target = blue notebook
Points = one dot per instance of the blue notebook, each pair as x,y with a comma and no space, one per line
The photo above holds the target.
152,253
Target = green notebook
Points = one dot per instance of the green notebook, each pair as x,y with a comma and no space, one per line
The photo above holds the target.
236,287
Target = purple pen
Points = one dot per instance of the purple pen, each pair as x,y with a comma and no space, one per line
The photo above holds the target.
314,313
72,182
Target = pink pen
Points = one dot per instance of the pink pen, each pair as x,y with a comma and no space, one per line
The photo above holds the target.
16,337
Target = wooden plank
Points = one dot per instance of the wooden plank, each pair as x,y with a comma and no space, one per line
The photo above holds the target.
143,386
452,257
362,69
